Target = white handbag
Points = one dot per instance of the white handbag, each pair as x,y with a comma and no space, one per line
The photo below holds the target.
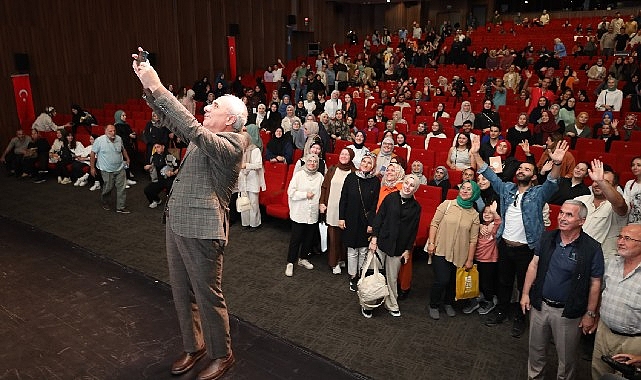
242,202
372,289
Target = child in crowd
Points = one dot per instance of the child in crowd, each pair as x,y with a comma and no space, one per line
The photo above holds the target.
486,259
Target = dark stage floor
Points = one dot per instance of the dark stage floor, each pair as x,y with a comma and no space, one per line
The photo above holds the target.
68,315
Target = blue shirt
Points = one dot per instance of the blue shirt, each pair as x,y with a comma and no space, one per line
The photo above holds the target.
531,203
109,153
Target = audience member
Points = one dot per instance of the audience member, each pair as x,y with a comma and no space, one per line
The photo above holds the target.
251,178
109,155
632,192
611,98
441,179
14,154
279,148
561,291
573,187
619,319
44,121
162,169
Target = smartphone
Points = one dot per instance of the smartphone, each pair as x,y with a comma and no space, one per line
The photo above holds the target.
142,56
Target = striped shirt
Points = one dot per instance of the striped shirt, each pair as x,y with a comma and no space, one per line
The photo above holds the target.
621,298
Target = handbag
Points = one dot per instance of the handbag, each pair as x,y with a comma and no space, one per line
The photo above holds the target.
372,289
242,202
467,283
322,229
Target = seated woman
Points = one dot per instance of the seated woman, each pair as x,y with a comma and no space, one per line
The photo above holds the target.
279,148
519,132
384,155
441,179
401,142
436,132
464,114
162,169
609,133
297,135
580,129
80,165
398,119
154,134
80,117
508,165
359,148
458,157
312,146
440,112
566,113
545,127
70,148
417,170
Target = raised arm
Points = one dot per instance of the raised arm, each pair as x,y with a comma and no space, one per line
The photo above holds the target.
597,175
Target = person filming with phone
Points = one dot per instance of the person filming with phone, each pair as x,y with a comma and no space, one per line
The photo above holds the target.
197,223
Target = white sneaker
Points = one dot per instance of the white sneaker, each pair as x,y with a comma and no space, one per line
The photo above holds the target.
83,183
131,182
289,270
153,204
59,179
65,181
305,264
127,186
96,186
336,269
77,183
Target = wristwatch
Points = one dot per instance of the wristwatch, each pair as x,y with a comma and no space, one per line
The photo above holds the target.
590,314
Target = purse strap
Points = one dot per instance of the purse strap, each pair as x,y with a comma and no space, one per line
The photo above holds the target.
358,181
368,262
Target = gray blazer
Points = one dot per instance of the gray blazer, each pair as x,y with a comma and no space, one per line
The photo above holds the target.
198,206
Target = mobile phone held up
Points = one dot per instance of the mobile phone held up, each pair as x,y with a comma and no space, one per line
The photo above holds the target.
143,56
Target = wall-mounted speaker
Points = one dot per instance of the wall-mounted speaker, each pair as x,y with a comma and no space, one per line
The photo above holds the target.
234,29
21,61
291,20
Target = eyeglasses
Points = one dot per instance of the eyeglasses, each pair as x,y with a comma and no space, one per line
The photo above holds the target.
627,239
516,198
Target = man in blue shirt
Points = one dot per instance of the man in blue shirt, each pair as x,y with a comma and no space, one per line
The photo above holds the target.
110,157
521,206
561,290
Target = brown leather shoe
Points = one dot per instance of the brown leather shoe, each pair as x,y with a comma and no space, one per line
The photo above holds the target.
217,368
186,361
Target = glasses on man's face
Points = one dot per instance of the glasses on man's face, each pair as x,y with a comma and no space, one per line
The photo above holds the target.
627,239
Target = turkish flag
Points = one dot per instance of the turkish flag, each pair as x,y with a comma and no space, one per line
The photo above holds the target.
231,43
24,100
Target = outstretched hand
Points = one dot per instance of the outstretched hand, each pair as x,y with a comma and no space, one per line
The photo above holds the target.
559,151
147,75
476,146
525,145
596,170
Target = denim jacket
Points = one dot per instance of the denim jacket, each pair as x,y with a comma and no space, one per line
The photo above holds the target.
531,203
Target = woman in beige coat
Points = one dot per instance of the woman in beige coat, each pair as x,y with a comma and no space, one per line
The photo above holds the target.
451,244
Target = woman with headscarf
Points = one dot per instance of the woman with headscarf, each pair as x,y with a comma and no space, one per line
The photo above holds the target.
542,105
451,243
441,179
329,203
272,118
393,235
155,134
609,133
356,211
312,146
279,148
417,170
251,178
384,156
282,109
488,194
189,102
487,117
554,114
128,137
303,195
545,128
297,135
440,112
580,128
81,117
391,181
509,164
566,113
359,148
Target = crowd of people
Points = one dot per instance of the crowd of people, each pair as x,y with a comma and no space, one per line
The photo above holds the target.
569,280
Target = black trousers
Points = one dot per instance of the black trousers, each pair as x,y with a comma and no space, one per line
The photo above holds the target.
513,261
301,240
